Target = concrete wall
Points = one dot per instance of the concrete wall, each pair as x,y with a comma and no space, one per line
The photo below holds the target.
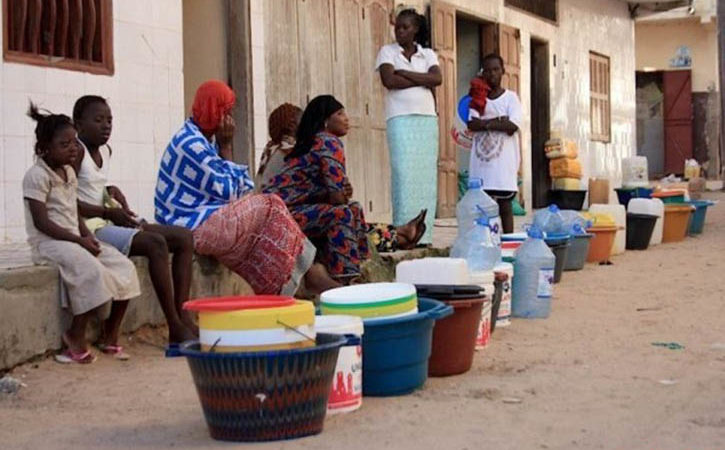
32,320
205,45
657,42
146,94
603,26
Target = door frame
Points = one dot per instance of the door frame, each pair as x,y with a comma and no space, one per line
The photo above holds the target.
540,107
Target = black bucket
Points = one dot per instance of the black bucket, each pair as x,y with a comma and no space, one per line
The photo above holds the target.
639,230
560,248
567,199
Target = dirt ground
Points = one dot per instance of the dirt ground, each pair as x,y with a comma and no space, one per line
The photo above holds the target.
588,377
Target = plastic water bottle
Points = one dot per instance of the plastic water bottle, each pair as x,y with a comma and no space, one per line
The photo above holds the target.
549,220
534,280
473,205
477,247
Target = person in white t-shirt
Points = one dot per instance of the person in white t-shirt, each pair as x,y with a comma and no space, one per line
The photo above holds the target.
495,153
409,71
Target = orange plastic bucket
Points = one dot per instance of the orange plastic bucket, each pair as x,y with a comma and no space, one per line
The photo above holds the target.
600,246
677,218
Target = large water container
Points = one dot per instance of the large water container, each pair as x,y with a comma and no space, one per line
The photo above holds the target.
549,220
473,204
634,172
534,281
477,247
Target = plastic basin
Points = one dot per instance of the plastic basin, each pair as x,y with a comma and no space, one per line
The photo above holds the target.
578,251
454,337
626,194
600,246
639,230
263,396
396,351
697,220
568,199
670,196
677,219
560,248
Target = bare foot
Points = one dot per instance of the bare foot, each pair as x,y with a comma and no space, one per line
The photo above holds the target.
409,234
318,280
188,320
181,333
77,344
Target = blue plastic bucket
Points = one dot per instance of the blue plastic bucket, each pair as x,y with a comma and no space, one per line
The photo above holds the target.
626,194
396,351
697,219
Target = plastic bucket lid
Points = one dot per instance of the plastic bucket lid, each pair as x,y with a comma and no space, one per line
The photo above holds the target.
339,324
299,314
367,294
451,293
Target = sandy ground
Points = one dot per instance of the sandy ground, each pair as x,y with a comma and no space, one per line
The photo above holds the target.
588,377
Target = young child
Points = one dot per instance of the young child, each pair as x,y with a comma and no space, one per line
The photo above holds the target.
495,153
115,224
93,273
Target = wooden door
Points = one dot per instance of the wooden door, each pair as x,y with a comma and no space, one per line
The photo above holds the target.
443,21
315,30
509,47
677,86
375,34
350,89
282,61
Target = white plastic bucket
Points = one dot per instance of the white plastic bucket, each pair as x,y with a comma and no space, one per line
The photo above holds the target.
504,310
485,280
346,393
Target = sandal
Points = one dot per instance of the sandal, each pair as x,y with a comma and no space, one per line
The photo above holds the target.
71,357
114,350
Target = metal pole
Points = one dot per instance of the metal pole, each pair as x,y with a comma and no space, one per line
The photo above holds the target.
721,72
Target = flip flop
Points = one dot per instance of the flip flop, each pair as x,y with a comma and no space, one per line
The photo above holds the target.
71,357
114,350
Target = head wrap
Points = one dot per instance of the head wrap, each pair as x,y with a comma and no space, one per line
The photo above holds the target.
283,122
213,100
313,120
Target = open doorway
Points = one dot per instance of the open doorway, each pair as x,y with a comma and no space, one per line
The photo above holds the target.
540,179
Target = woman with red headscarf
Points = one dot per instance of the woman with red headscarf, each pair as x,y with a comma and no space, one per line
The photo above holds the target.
201,188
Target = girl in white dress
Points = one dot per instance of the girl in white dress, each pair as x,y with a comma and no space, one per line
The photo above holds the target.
93,273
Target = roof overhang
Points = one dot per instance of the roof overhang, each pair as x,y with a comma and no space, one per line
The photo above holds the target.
644,8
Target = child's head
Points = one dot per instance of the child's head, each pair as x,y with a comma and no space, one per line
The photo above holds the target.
55,136
493,69
93,118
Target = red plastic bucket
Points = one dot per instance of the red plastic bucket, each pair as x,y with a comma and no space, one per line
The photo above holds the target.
454,338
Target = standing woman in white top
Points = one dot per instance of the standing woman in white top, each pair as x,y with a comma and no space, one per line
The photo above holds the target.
409,71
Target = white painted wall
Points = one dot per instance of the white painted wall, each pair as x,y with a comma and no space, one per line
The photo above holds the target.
146,94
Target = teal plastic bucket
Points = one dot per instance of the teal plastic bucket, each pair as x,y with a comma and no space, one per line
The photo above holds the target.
578,251
697,219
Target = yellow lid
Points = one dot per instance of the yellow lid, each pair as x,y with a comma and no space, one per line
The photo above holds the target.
301,313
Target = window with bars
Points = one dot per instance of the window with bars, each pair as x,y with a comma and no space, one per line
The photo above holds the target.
66,34
546,9
599,97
